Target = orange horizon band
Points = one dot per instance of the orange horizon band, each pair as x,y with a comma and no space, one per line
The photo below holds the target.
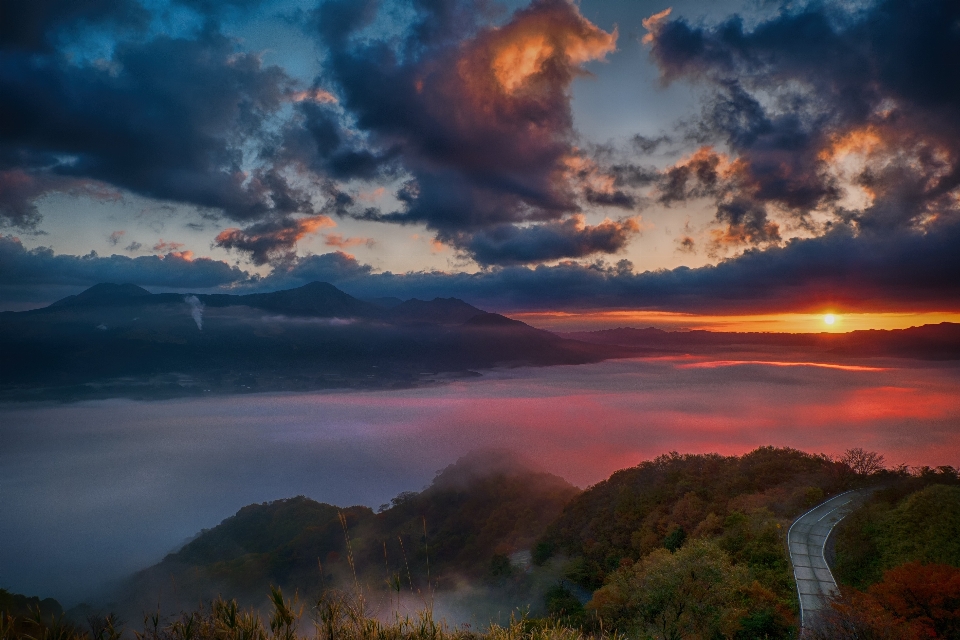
593,320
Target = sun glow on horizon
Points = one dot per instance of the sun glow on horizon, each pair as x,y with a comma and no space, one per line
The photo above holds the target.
594,320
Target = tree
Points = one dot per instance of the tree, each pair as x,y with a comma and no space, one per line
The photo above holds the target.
693,593
861,462
928,594
911,602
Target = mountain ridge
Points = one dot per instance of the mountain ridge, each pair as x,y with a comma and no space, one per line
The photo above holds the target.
122,340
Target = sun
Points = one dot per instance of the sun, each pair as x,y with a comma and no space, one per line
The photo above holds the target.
830,318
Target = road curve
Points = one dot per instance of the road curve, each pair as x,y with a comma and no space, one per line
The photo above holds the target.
807,542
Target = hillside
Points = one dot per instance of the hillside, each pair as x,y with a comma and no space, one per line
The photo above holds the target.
478,516
679,546
914,519
121,340
476,513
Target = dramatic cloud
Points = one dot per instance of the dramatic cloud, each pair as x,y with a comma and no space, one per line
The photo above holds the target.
37,25
34,277
273,241
571,237
167,118
19,188
479,118
853,116
869,272
843,271
829,121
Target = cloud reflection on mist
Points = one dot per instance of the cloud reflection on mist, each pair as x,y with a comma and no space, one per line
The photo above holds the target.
103,488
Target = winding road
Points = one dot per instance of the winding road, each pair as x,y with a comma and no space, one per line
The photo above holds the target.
807,542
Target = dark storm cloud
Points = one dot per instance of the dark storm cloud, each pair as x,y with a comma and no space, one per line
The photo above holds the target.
19,189
328,267
167,118
43,25
36,25
796,97
480,119
548,241
319,139
273,241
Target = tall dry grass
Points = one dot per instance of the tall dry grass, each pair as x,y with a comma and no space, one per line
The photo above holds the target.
334,616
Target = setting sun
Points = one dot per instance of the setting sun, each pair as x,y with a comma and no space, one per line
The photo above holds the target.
829,318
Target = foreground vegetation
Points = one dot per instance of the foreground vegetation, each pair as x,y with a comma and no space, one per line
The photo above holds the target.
679,547
898,561
334,616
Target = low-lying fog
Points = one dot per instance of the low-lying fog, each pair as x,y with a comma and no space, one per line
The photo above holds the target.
90,492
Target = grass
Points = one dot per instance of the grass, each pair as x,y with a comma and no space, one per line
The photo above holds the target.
334,616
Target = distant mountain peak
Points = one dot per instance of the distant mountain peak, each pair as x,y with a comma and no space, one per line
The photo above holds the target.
105,292
438,310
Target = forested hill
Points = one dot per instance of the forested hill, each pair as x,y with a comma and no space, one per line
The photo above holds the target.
475,514
481,518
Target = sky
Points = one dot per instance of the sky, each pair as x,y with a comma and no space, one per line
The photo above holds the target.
706,161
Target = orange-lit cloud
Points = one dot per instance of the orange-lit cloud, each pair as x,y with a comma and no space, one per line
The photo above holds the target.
314,95
862,141
166,247
596,185
487,135
707,173
272,241
526,47
653,24
371,196
339,241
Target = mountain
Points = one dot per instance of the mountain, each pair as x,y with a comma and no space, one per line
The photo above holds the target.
121,340
486,506
316,299
102,295
436,311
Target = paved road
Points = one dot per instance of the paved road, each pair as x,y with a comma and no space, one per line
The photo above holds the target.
807,540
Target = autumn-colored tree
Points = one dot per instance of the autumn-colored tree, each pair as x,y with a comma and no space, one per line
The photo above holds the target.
859,617
695,593
927,594
912,601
